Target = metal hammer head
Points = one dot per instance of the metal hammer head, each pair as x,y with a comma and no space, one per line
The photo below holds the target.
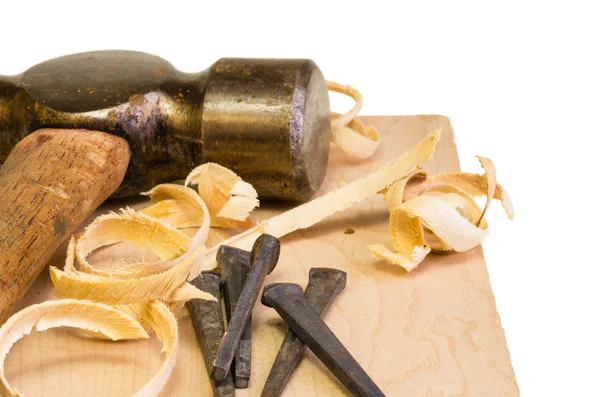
266,119
269,121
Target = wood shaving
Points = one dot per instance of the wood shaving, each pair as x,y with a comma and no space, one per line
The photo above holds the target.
118,291
229,199
349,134
164,324
137,228
475,185
95,317
146,231
337,200
490,172
176,205
438,213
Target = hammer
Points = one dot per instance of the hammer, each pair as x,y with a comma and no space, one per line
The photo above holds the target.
78,129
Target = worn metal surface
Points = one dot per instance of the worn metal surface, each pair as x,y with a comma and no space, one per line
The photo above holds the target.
264,257
266,119
292,306
235,264
324,284
207,319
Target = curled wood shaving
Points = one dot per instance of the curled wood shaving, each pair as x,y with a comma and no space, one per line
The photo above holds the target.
408,263
142,230
133,290
185,292
490,172
445,221
229,199
198,209
438,213
95,317
313,212
475,185
349,134
119,291
164,324
178,206
70,259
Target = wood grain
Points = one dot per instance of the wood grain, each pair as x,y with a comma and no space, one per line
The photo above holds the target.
51,181
432,332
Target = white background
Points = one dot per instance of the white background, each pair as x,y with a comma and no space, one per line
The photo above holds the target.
519,80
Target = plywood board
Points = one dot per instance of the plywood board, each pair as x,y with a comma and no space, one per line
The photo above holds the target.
432,332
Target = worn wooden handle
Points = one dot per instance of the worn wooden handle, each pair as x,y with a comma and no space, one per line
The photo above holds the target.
50,183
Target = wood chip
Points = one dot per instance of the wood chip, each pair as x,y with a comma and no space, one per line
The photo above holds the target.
438,213
348,133
229,199
95,317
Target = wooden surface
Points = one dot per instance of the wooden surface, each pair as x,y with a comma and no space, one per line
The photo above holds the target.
51,181
432,332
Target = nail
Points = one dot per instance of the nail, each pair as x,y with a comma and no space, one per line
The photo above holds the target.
292,306
263,259
323,286
235,264
207,318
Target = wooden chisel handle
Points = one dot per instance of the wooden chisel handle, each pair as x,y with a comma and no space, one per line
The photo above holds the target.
51,182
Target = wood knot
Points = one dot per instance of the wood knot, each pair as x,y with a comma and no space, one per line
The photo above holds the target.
60,225
41,138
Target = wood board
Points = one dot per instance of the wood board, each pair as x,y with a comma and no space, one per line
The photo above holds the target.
432,332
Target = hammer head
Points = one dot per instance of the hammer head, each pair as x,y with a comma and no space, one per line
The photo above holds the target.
266,119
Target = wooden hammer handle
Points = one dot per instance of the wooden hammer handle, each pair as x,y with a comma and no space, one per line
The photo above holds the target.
51,182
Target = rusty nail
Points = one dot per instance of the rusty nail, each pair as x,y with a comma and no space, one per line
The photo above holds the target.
235,264
207,318
292,306
324,284
263,259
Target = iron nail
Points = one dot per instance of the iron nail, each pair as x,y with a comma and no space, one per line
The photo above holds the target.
235,264
292,306
207,318
263,259
324,284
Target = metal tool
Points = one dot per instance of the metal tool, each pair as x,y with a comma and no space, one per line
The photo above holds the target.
144,123
266,119
235,264
207,319
264,257
324,284
292,306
